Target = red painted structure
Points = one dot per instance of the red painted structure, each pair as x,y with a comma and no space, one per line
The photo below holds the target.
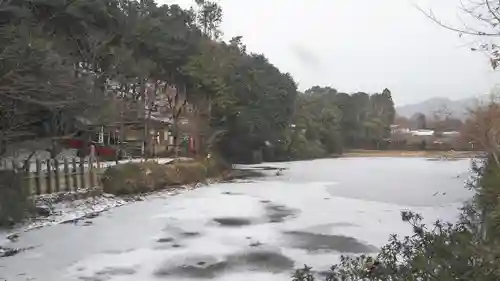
100,149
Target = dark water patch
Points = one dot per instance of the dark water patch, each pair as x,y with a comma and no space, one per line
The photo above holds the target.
317,242
164,247
166,243
209,271
190,234
208,267
233,221
274,213
205,267
255,244
165,240
182,232
261,260
231,193
279,213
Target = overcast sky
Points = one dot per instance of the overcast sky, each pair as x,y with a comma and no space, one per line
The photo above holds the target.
362,45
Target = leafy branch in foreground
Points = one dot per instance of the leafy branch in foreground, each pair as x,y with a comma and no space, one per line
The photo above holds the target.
442,252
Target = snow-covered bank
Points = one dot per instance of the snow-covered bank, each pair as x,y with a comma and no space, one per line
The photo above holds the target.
74,207
55,211
70,206
51,212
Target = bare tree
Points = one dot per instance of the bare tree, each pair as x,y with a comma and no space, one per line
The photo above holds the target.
176,101
440,116
481,19
483,128
40,97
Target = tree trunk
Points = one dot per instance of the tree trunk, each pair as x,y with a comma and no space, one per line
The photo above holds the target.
151,139
143,117
177,110
3,145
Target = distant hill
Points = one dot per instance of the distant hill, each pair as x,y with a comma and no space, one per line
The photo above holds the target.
457,108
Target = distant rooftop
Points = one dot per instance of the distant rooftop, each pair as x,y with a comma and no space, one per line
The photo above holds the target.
422,132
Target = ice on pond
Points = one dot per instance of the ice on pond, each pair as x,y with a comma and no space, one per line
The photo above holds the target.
261,230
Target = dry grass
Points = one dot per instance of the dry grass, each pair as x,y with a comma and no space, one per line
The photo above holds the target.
136,178
403,153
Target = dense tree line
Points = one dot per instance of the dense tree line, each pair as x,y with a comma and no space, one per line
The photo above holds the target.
327,121
82,58
440,122
253,101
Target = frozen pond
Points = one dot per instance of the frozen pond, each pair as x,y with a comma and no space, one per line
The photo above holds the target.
260,230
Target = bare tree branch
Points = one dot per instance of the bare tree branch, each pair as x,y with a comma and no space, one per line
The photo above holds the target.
430,15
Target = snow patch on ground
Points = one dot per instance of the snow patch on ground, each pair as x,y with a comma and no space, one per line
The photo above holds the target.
65,207
67,211
64,211
73,211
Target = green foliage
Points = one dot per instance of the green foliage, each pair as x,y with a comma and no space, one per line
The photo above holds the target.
249,97
487,181
420,120
326,122
209,18
302,148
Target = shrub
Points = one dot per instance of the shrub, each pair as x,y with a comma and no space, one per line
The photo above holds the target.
303,148
445,252
185,172
15,202
216,165
135,178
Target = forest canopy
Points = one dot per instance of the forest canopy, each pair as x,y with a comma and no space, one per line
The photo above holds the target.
63,60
